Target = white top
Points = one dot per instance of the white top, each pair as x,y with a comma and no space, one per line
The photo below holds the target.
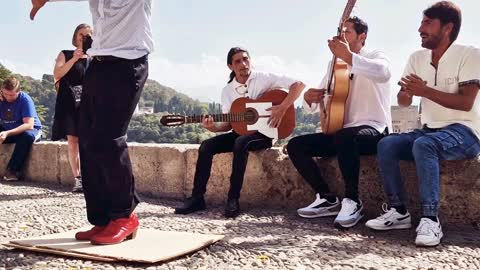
121,27
368,102
257,83
458,66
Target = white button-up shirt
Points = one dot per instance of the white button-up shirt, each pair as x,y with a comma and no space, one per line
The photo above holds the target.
120,27
257,84
368,101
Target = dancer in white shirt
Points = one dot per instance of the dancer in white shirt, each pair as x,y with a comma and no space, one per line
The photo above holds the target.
112,87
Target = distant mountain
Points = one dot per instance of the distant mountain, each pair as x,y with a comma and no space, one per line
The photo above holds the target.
162,98
145,127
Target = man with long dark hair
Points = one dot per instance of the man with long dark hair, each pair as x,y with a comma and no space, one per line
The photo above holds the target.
447,78
112,87
243,82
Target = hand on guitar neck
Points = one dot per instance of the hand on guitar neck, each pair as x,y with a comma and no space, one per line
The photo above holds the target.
341,49
314,95
209,123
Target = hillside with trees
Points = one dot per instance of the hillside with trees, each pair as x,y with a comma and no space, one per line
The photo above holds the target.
145,128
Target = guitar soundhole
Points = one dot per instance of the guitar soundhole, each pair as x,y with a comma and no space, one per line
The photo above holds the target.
251,116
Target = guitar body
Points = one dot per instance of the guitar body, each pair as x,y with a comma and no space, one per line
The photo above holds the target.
276,97
333,114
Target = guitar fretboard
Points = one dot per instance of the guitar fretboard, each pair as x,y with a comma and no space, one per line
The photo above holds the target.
224,117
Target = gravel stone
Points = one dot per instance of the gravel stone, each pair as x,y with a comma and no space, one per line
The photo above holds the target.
258,239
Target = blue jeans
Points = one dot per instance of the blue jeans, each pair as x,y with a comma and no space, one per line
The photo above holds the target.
426,147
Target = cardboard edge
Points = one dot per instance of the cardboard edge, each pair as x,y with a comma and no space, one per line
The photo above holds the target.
58,252
89,256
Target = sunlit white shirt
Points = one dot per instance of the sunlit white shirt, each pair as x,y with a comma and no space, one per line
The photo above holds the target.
120,27
368,101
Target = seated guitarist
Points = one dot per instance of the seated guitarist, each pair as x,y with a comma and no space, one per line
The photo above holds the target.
366,121
243,83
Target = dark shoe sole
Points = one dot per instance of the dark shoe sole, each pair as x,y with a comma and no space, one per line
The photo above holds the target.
129,237
182,211
233,214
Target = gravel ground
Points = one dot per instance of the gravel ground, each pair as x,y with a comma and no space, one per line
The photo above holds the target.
257,239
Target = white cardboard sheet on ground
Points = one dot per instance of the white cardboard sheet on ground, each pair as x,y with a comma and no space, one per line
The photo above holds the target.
262,123
150,246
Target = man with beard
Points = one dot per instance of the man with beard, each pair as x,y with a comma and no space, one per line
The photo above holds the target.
243,82
446,77
367,117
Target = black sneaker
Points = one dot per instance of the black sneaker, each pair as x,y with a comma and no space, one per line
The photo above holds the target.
11,176
232,209
191,205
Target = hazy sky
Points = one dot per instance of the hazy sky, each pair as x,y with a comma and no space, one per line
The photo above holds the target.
193,37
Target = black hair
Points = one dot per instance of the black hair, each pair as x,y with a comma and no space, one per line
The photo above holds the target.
359,25
230,55
446,12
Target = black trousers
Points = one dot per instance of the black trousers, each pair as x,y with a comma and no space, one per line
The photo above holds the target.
111,92
228,142
347,144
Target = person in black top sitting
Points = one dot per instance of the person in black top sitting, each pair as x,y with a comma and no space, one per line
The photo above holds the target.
69,71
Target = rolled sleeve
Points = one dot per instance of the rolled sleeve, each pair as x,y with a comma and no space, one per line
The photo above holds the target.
375,68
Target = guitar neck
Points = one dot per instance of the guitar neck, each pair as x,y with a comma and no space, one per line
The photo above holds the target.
224,117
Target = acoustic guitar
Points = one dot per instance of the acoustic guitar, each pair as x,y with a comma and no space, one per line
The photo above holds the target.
246,116
332,112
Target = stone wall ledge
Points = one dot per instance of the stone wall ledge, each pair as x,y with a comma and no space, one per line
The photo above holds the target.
167,170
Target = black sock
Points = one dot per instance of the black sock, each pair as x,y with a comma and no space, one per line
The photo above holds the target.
355,199
401,209
329,197
432,218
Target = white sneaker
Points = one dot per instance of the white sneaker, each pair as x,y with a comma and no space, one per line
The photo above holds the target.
429,233
349,215
319,208
390,220
77,186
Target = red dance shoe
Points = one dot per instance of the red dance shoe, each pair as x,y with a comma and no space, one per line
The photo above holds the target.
87,235
117,231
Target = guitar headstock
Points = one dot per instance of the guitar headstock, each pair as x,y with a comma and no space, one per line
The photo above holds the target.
173,120
347,11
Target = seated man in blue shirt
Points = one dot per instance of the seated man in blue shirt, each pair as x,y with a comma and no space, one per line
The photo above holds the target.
19,125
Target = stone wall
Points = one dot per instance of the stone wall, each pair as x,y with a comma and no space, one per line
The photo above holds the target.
167,170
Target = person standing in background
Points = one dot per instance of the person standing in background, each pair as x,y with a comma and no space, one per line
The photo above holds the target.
69,71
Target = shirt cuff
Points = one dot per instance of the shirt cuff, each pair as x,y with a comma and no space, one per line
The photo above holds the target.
470,82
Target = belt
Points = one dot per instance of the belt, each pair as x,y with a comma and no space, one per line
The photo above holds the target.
431,129
111,58
107,58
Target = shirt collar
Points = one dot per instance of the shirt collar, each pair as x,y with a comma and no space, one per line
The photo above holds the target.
450,51
252,76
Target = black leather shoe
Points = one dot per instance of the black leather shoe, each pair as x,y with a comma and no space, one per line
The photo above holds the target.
232,209
191,205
